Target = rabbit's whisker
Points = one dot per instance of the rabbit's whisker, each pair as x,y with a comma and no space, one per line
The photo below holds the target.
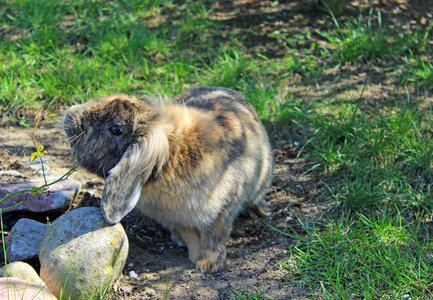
59,141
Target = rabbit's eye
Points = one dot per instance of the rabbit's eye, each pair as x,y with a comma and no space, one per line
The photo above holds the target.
115,130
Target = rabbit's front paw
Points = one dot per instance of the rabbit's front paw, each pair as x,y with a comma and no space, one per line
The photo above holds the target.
213,260
209,265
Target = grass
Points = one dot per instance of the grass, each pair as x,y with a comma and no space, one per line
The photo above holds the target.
380,256
247,295
368,38
376,152
375,156
376,241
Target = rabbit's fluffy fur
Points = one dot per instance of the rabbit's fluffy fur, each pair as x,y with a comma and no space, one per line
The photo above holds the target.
193,164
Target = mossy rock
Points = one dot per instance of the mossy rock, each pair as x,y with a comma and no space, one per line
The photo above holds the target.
82,254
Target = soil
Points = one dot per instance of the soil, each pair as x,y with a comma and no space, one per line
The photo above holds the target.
158,268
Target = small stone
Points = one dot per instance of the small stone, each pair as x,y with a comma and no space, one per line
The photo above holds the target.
20,281
150,292
22,271
24,239
77,253
133,274
57,197
127,288
13,288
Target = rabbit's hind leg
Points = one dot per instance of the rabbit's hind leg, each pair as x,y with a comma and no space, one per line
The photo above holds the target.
213,240
202,249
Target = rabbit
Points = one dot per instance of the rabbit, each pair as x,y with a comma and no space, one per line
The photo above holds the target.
193,164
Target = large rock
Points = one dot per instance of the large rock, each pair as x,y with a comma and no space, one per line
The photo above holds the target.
24,239
57,197
82,253
20,281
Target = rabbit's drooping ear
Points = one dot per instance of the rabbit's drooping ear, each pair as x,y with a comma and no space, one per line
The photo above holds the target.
142,159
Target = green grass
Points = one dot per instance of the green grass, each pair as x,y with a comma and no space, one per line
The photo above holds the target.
369,38
421,70
380,256
247,295
375,243
376,156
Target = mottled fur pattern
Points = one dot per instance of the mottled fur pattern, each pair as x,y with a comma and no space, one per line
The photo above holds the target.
193,165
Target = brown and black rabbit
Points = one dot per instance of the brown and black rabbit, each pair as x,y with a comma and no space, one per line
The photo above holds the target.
193,164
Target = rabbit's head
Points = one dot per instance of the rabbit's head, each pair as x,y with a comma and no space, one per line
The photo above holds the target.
120,138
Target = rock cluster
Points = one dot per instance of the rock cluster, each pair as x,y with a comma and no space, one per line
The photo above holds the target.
79,253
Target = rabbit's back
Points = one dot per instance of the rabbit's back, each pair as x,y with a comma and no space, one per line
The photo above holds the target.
233,124
224,163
